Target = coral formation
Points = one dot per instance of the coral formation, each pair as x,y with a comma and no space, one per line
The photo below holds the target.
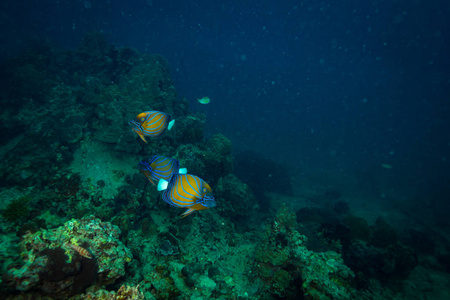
125,292
52,266
283,259
238,196
78,220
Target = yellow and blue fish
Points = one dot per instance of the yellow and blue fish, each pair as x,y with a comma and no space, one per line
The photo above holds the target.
159,167
151,124
186,190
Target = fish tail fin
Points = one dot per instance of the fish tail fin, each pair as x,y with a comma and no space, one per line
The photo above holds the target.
187,213
182,171
170,124
162,185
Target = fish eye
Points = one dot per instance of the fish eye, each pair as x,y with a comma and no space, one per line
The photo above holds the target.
142,119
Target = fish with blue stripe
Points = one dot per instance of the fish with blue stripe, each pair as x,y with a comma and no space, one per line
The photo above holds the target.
151,124
159,167
189,191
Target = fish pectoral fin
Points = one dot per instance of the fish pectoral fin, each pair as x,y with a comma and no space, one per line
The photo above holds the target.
187,213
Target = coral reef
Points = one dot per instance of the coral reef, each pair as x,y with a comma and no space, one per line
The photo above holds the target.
51,265
209,161
238,196
53,111
282,259
79,221
389,265
125,292
372,252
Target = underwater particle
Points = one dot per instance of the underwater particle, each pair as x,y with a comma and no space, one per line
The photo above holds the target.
386,166
204,100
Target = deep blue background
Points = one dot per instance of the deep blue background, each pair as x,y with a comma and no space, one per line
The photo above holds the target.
335,85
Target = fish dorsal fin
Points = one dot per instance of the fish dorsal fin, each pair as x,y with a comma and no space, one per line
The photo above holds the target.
170,124
162,185
182,171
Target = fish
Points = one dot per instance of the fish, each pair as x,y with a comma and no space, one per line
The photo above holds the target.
80,250
159,167
187,191
204,100
151,124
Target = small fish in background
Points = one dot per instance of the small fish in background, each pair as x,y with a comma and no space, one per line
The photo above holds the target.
80,250
386,166
185,190
159,167
204,100
151,124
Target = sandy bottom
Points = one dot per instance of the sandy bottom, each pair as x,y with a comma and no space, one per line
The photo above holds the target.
96,161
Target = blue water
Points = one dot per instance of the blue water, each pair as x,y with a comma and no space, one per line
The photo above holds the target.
345,85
